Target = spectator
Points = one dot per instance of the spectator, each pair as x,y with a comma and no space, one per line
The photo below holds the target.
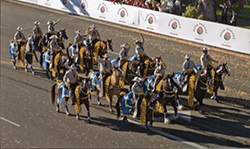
229,4
241,6
177,7
151,4
224,13
136,3
233,19
169,6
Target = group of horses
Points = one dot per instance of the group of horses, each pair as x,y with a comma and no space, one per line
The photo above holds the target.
166,91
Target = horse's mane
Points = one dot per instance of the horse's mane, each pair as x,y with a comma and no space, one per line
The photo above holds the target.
197,77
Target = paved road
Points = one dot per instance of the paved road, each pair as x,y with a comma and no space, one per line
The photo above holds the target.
29,120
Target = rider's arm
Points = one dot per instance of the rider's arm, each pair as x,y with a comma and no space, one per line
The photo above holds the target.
142,38
57,22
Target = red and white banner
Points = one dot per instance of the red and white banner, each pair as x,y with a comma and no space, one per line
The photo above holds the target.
204,32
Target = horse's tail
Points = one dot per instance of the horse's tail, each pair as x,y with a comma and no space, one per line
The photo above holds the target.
53,93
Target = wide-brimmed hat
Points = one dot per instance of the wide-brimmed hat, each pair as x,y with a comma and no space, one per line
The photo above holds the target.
137,79
53,37
205,49
78,32
19,28
187,56
137,41
93,26
123,46
50,21
36,23
73,67
106,55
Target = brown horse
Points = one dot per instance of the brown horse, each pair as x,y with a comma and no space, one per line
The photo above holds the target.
86,58
101,48
112,86
218,82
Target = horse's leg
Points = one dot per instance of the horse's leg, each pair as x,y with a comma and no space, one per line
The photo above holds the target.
200,101
66,106
98,98
86,103
110,104
57,105
135,111
174,105
180,106
166,119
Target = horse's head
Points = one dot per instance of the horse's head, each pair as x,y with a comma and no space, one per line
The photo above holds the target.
168,82
85,85
225,69
117,73
62,34
107,44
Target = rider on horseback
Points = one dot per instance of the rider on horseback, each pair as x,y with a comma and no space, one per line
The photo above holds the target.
94,35
105,71
53,46
138,92
206,60
37,33
29,54
13,49
51,24
19,38
71,77
79,38
188,67
123,54
73,52
139,50
159,73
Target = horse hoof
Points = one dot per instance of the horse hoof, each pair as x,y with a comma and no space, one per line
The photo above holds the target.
89,119
67,113
77,117
167,121
175,116
201,112
180,107
57,109
99,103
111,110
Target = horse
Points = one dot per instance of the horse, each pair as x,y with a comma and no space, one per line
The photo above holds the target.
201,84
102,47
112,86
151,64
218,82
167,92
61,34
130,68
86,58
82,97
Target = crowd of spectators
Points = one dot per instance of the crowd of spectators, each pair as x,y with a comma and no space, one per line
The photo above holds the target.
168,6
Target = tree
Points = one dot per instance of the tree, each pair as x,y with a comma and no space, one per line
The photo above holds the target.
207,8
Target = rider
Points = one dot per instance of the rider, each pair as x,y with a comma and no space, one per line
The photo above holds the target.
105,69
127,104
159,73
137,90
37,33
79,38
188,67
94,35
71,77
18,37
139,50
51,24
29,54
206,59
74,52
53,46
123,54
13,49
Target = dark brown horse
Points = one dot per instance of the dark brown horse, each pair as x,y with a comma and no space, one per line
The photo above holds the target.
86,57
218,81
201,85
82,97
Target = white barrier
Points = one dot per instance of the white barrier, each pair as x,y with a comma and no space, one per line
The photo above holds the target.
205,32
